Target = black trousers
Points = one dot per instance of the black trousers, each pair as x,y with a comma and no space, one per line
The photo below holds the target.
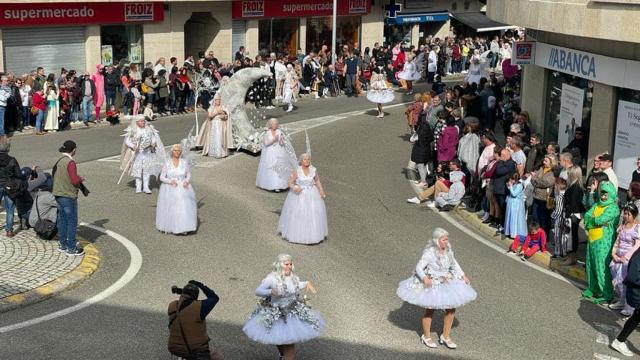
575,240
629,326
502,203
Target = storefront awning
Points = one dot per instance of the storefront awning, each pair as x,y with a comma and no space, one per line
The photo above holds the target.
480,22
409,18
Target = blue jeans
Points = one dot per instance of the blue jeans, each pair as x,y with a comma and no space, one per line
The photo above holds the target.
67,222
2,110
39,118
110,96
26,116
87,101
9,207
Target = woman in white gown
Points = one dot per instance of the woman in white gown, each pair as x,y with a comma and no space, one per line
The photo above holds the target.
282,317
379,93
273,151
476,68
53,108
290,87
438,283
409,73
303,219
177,211
216,137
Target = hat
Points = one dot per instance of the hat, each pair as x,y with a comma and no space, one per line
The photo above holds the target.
606,157
68,146
26,172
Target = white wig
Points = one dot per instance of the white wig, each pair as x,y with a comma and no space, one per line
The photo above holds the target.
302,157
438,233
277,265
271,121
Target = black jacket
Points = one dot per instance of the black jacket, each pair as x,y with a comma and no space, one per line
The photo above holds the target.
82,87
9,168
632,281
573,200
421,152
111,81
503,170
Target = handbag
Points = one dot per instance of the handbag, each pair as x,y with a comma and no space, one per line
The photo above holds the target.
34,110
551,201
414,137
45,228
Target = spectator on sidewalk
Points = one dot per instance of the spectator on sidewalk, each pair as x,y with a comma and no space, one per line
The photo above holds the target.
535,155
536,240
561,224
66,183
518,154
5,94
573,211
111,84
88,92
446,200
579,145
441,184
352,69
40,189
9,170
448,141
515,223
543,181
504,168
606,163
98,97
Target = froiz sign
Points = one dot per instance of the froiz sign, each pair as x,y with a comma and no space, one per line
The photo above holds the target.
573,62
138,12
358,6
252,8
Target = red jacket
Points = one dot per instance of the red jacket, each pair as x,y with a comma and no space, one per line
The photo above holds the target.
39,101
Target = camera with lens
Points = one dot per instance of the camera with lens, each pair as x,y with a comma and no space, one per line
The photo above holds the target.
191,290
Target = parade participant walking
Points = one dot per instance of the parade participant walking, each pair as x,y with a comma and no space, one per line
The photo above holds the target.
290,87
282,317
274,151
600,222
379,93
438,284
627,242
216,137
409,73
142,153
66,183
303,219
177,211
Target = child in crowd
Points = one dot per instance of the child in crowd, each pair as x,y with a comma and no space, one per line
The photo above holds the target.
137,97
515,216
560,235
536,240
148,112
113,117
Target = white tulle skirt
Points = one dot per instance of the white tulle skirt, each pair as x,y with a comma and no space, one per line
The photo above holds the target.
267,177
304,217
450,295
177,211
216,146
292,331
380,96
409,75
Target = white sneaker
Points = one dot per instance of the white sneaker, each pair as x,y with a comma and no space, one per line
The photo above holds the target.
414,200
485,217
621,348
617,306
431,204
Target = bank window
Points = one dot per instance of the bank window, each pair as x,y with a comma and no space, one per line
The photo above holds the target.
122,43
569,103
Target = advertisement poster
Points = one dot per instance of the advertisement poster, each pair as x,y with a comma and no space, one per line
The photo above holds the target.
106,55
627,142
570,116
523,53
135,53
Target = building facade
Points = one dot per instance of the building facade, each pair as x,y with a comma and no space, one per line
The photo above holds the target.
583,70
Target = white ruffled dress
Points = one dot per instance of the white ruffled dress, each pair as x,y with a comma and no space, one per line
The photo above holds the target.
448,289
285,319
409,72
303,219
379,93
177,210
272,152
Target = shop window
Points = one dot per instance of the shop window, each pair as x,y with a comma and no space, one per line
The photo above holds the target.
122,43
278,35
319,31
569,102
398,33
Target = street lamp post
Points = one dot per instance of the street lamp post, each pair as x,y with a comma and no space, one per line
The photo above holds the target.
333,33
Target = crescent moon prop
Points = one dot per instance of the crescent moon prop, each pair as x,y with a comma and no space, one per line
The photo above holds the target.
232,96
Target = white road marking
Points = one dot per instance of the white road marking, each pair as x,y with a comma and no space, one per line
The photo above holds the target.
132,271
597,356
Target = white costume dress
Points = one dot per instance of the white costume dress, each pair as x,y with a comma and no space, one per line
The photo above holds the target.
289,80
284,319
53,111
177,211
476,69
379,93
409,72
448,289
149,157
216,137
273,151
303,219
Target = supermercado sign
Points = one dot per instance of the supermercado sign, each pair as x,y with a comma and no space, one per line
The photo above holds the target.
26,14
246,9
603,69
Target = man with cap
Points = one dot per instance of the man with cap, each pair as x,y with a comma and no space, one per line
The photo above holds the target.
606,161
66,183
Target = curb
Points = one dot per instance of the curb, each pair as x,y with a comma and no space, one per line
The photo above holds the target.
575,273
86,268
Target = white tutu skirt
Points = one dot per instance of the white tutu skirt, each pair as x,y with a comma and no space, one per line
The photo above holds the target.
409,75
176,212
267,177
304,217
380,96
450,295
282,333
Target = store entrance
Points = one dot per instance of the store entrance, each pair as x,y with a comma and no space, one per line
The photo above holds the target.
279,36
199,32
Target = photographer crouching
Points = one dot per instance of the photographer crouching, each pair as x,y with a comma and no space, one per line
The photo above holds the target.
188,336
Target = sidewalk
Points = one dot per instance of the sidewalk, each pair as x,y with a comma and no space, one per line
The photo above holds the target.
471,220
32,270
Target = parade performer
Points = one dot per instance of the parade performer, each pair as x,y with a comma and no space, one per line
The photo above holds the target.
303,219
216,136
626,245
290,87
601,222
282,317
438,283
142,153
177,211
410,73
379,93
98,98
477,66
275,148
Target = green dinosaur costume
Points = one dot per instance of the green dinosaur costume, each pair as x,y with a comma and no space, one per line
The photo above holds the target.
601,222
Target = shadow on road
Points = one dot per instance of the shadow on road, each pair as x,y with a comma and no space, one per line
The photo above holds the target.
409,317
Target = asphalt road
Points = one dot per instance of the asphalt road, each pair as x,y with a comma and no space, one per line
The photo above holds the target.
375,239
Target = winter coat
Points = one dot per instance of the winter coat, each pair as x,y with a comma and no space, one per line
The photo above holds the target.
469,151
448,144
499,179
46,204
632,281
163,90
421,152
542,184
